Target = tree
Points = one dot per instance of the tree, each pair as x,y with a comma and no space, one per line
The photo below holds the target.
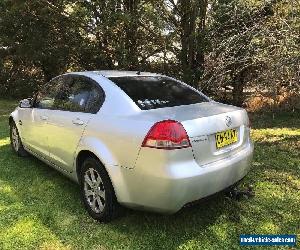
223,47
239,55
37,41
186,26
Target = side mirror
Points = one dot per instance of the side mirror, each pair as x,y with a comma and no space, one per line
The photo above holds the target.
26,103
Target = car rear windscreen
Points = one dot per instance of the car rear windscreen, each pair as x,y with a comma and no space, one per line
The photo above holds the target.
151,92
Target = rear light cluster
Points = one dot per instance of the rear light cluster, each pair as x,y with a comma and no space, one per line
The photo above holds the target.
167,134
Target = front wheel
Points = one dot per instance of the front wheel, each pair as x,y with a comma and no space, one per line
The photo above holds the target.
97,191
16,142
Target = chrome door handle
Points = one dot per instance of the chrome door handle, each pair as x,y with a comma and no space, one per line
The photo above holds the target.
44,118
78,122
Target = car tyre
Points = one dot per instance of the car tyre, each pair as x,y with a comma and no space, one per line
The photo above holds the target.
16,142
97,191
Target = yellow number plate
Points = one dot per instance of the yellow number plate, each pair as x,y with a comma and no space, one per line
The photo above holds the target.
226,138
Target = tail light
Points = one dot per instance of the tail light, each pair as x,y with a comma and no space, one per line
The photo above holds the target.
167,134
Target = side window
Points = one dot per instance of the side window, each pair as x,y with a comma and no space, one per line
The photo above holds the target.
96,99
79,95
46,97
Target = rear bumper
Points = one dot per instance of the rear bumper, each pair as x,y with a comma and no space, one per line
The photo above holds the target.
167,189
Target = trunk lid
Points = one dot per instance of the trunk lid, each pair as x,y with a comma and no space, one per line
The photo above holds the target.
202,121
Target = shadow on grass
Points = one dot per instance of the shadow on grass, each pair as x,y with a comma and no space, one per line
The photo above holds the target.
42,193
275,120
4,128
39,192
40,206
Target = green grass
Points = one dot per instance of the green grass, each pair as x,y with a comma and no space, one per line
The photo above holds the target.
41,209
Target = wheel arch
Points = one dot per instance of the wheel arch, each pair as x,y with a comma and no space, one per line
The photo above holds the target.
82,155
94,147
13,118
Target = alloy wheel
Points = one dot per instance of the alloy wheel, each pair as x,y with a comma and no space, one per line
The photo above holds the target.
94,190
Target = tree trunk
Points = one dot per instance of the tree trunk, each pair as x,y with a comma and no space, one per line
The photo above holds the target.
237,94
131,27
192,26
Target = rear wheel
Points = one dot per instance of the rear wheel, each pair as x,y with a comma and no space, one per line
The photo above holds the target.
15,141
97,191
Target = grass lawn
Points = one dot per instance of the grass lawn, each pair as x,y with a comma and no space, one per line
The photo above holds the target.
41,209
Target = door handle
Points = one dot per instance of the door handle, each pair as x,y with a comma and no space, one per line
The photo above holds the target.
77,121
44,118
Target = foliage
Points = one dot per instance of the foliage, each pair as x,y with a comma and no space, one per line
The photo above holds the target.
36,42
253,46
219,46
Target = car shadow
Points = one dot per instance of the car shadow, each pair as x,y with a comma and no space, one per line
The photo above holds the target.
43,193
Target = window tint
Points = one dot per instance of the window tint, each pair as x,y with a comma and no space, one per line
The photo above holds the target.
80,95
46,97
71,93
157,92
72,96
95,101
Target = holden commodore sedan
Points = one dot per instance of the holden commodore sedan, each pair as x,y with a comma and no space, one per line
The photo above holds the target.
142,140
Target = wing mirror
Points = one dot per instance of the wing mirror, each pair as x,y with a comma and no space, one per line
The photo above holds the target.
26,103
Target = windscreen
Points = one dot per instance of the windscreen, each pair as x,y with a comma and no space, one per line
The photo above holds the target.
151,92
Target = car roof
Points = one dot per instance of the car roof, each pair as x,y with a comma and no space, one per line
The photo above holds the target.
120,73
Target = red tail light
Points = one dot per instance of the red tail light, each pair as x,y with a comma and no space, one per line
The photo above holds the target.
167,135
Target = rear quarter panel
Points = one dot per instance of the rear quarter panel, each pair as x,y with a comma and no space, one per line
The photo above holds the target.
116,140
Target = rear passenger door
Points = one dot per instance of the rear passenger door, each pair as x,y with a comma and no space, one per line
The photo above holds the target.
77,101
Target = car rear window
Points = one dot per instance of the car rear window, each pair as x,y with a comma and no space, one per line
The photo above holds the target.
151,92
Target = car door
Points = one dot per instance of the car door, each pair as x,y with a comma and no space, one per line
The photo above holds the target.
35,129
78,100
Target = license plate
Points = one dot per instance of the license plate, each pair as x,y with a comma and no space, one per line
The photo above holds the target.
225,138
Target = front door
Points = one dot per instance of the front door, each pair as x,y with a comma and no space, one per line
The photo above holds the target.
35,129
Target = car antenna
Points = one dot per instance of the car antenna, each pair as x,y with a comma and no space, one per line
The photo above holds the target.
138,72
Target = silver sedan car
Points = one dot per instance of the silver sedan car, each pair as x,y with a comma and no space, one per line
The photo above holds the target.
142,140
